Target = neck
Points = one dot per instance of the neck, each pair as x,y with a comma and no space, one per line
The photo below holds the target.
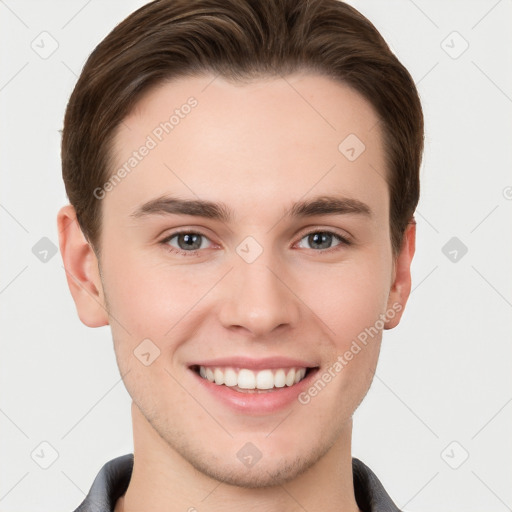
163,481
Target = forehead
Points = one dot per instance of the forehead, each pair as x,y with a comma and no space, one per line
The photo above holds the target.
272,138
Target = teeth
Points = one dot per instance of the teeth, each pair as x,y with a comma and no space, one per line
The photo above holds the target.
219,376
230,377
209,374
280,379
248,379
265,379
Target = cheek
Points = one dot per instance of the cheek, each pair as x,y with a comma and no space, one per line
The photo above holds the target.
348,299
351,307
152,302
148,299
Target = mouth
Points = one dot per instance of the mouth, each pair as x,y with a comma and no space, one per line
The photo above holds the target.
244,380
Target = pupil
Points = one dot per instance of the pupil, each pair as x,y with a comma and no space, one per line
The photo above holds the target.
320,238
190,240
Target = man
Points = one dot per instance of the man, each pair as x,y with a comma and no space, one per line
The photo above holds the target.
242,177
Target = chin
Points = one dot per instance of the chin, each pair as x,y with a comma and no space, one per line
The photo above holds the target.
261,475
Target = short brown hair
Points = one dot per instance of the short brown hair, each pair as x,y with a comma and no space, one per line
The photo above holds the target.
239,40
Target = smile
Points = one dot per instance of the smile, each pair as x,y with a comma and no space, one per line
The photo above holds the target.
249,381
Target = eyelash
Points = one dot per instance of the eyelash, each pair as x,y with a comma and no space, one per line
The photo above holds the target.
344,242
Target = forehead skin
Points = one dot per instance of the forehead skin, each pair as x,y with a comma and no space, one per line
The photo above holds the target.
257,147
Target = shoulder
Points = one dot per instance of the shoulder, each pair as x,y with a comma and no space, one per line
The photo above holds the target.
369,491
110,483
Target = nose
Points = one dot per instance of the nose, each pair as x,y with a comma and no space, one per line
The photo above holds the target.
257,297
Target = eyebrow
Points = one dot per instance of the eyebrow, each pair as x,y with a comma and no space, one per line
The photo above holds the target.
320,205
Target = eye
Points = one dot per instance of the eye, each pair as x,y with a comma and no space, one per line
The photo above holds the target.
188,243
323,240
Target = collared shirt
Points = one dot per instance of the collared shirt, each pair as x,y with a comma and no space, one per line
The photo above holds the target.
113,479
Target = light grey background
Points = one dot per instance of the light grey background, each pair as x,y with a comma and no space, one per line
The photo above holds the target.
443,385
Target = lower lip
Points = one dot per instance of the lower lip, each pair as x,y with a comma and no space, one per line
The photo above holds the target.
256,403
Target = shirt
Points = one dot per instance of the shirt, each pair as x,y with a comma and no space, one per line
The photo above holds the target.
113,479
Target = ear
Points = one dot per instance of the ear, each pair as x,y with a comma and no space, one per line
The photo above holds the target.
82,270
401,286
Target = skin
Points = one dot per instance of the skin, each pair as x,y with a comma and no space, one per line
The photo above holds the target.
257,147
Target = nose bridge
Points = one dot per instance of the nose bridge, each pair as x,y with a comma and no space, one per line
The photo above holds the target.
257,298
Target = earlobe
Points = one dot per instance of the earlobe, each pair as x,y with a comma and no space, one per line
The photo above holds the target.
82,271
401,286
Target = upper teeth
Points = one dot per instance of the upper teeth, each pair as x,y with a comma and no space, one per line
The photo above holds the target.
247,379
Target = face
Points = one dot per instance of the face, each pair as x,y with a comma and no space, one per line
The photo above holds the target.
251,279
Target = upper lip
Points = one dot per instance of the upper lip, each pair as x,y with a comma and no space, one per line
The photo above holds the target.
255,364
